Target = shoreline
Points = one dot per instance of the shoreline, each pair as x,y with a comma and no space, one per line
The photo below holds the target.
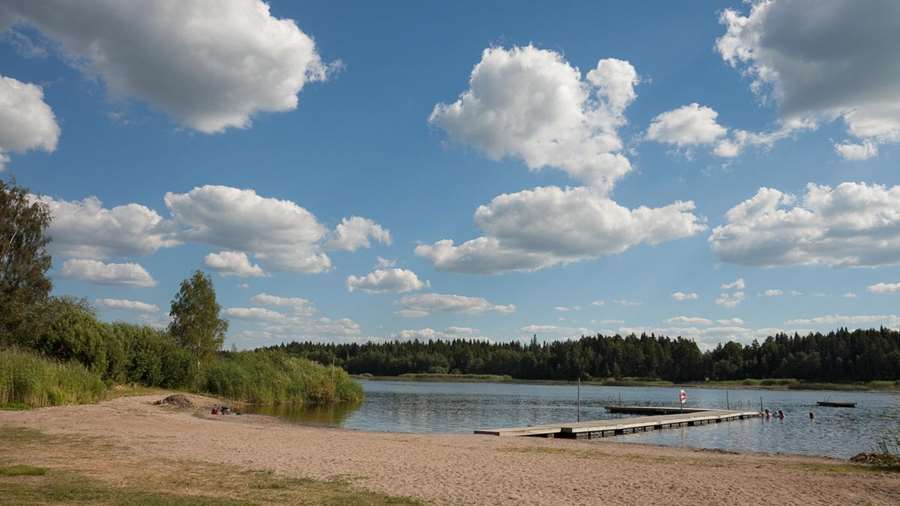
747,384
131,435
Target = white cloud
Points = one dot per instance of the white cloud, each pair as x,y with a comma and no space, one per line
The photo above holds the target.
737,284
708,336
26,121
531,104
836,320
883,288
86,229
849,295
384,263
734,322
279,233
688,125
94,271
683,296
626,302
211,65
534,229
254,313
448,333
386,280
821,61
128,305
567,309
856,151
599,303
853,224
730,300
297,305
414,306
773,292
354,233
555,331
688,320
301,321
233,263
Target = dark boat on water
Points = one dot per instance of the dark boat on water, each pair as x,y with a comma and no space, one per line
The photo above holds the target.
837,404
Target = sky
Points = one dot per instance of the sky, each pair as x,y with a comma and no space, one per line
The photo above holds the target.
347,171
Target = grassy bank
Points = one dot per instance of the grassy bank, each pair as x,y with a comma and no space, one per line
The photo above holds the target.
28,380
760,384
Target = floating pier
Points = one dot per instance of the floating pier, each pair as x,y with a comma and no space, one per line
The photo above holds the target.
605,428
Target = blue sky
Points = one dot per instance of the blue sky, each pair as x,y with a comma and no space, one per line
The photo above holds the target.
575,256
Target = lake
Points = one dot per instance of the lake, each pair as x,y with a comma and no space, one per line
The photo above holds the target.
400,406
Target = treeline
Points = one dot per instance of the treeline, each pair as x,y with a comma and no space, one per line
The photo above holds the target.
54,350
838,356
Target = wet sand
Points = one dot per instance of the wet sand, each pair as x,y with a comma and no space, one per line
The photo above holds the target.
466,469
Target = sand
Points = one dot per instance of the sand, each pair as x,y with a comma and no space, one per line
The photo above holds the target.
467,469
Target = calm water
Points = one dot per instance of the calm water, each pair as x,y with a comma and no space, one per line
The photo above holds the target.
462,407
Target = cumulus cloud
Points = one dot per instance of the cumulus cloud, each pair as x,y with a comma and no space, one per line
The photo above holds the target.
688,125
531,104
730,299
415,306
853,224
97,272
683,296
555,331
233,263
26,121
822,61
354,233
128,305
86,229
883,288
282,235
387,280
856,151
737,284
688,320
547,226
773,292
839,320
299,320
210,65
448,333
296,305
710,335
567,309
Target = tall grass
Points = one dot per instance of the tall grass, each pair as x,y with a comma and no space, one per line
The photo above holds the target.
29,380
265,377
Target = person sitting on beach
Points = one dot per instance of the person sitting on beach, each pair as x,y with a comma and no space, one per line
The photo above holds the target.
215,410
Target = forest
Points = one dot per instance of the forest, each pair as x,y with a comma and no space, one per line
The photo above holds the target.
838,356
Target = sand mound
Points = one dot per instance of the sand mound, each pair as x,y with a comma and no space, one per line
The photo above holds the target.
177,400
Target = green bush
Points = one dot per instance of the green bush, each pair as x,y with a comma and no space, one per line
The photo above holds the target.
29,380
266,377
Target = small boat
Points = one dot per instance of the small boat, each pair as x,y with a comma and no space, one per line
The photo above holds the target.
837,404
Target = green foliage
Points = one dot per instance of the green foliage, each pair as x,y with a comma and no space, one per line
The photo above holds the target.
29,380
24,260
266,377
839,356
195,317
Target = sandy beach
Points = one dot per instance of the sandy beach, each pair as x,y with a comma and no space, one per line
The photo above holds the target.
448,469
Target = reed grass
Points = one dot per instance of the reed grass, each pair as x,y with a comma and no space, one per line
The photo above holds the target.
28,380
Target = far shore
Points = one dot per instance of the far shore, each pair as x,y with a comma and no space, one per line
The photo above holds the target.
128,450
747,384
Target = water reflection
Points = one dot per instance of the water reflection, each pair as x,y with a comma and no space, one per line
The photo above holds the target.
318,415
463,407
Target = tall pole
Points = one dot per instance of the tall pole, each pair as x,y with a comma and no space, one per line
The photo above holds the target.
727,404
578,401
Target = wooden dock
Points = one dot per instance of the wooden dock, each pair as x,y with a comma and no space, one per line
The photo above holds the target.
652,410
605,428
